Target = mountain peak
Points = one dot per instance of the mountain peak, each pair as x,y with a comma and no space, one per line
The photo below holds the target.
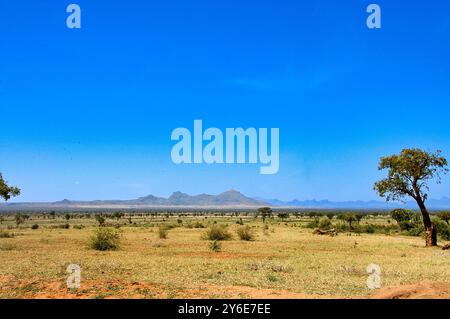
231,191
178,194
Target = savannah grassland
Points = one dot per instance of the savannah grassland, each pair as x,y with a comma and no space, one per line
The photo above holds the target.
284,261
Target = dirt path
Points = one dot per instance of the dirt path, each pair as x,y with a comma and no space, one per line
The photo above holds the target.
419,291
10,287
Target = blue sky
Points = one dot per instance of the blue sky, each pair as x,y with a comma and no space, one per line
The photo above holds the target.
88,114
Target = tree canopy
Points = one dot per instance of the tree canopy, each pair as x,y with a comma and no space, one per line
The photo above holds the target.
6,192
409,173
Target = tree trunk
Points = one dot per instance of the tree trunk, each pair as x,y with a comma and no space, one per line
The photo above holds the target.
431,236
430,229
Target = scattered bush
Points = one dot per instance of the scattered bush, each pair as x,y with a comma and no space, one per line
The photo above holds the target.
269,265
442,228
313,224
199,225
266,230
324,223
245,233
351,219
271,277
35,226
406,225
402,215
100,220
367,228
7,246
5,234
162,232
418,230
60,226
105,239
217,232
215,246
445,216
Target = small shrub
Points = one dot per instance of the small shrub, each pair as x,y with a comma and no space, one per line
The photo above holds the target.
35,226
245,233
7,246
369,229
342,227
215,246
159,244
402,215
216,232
324,223
100,220
272,277
406,225
105,239
416,231
5,234
162,232
266,230
60,226
313,224
78,226
442,228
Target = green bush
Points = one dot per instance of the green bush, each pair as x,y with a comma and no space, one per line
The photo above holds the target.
313,224
445,216
402,215
245,233
215,246
5,234
442,228
324,223
216,232
199,225
406,225
369,229
7,246
105,239
418,230
100,220
342,227
162,232
35,226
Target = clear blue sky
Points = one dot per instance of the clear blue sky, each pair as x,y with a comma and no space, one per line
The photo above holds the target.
87,114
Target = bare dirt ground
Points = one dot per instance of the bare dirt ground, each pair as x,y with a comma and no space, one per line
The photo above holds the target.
419,291
36,289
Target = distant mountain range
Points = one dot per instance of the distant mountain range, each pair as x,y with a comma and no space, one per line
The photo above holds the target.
231,198
228,199
443,203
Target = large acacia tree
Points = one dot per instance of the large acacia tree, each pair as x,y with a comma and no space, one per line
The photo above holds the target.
408,175
6,192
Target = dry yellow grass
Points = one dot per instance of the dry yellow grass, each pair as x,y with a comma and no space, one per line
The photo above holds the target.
286,261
